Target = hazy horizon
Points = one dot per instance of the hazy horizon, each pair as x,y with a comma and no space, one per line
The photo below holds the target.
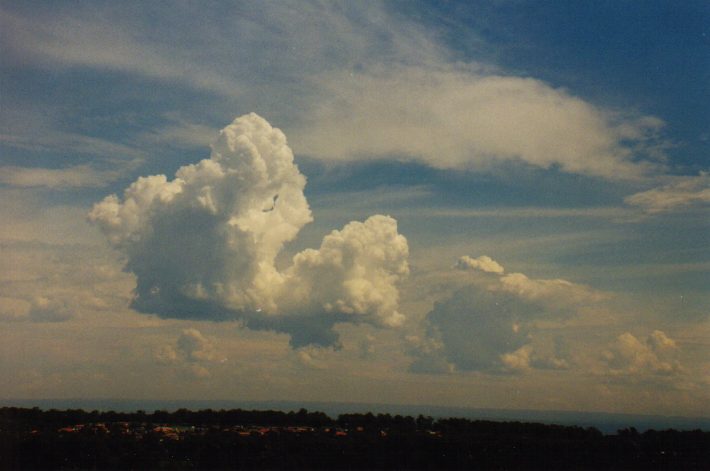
604,421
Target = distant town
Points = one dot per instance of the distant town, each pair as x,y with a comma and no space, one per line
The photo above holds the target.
31,438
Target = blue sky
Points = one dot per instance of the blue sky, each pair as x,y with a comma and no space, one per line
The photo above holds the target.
450,157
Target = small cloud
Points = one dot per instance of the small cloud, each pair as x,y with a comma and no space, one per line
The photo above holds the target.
308,356
682,193
195,347
190,354
43,309
519,360
558,295
630,356
166,355
483,263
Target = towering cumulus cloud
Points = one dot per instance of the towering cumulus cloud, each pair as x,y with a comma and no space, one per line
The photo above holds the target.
203,245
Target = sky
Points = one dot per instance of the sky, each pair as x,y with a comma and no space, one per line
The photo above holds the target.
489,204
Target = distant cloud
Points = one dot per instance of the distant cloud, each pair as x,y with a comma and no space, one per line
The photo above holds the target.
630,356
35,309
483,263
204,245
681,193
49,310
43,282
190,355
489,324
557,294
195,346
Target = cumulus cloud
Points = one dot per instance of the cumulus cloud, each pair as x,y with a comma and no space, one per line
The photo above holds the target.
191,354
354,272
483,263
682,193
195,346
489,324
166,354
43,309
204,245
455,117
35,309
556,294
630,356
475,327
519,360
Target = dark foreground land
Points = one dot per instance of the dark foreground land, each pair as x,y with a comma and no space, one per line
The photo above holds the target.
233,439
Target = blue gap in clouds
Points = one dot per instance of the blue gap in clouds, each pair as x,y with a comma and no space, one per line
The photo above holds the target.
509,185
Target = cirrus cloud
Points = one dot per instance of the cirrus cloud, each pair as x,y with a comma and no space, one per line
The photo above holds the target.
455,117
682,193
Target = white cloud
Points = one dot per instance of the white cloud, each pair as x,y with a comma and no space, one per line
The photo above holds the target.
483,263
630,356
557,294
355,272
454,117
681,193
374,84
204,245
519,360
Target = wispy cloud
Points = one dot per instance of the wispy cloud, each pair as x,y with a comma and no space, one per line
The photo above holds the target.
81,38
681,193
45,139
457,117
79,176
362,83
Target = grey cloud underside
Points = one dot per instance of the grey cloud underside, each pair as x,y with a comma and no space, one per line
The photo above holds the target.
490,324
474,327
202,246
314,328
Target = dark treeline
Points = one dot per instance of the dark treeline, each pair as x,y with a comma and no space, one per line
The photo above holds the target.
241,439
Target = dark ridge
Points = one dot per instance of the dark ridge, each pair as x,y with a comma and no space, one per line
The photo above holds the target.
271,439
